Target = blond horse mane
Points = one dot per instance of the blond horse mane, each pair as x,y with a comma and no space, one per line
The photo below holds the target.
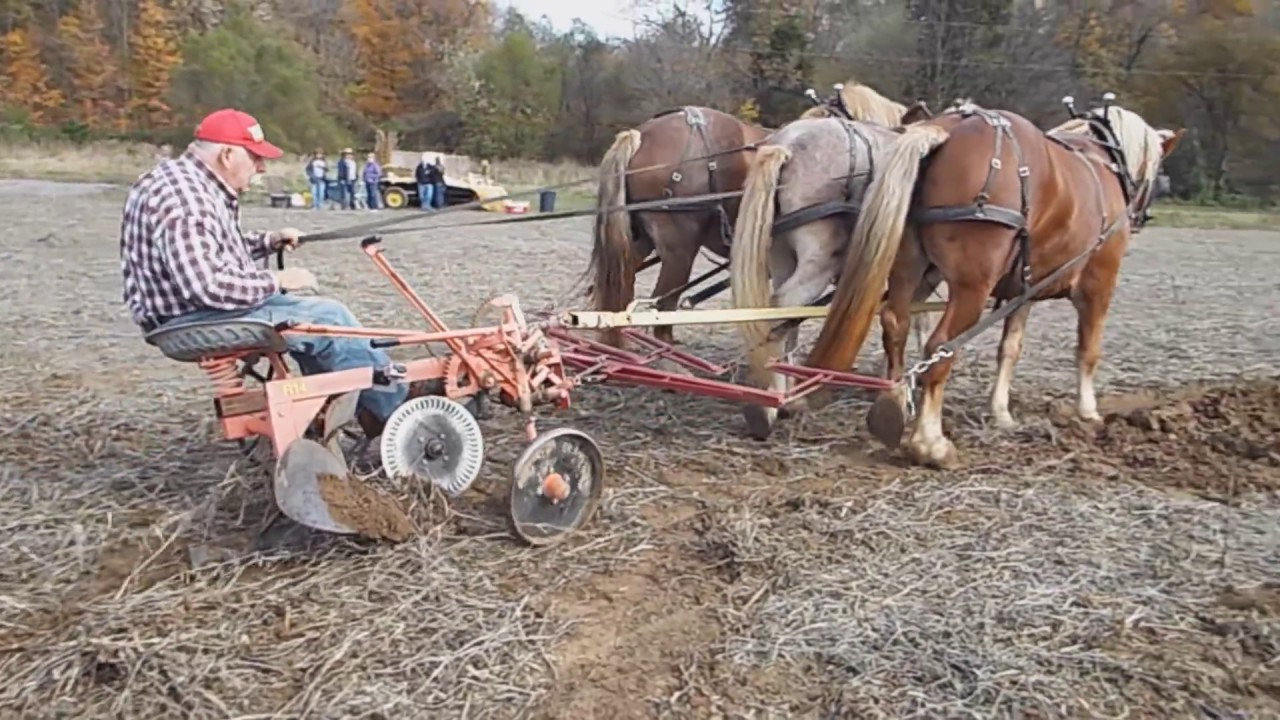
865,104
1140,142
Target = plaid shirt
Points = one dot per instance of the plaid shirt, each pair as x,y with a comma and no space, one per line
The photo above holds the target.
182,248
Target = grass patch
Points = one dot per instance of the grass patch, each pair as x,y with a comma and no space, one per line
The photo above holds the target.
1213,218
121,163
105,162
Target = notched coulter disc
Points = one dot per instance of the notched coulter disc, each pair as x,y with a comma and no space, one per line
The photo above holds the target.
436,439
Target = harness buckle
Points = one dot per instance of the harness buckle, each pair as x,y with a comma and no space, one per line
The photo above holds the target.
712,166
995,163
1024,171
676,176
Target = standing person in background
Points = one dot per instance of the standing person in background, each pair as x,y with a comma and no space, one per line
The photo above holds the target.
372,177
347,178
438,177
426,186
317,171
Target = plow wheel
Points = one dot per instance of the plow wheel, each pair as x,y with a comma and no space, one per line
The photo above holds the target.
556,486
435,439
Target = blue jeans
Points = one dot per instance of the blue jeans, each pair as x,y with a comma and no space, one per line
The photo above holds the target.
316,353
438,200
374,197
317,194
425,194
348,194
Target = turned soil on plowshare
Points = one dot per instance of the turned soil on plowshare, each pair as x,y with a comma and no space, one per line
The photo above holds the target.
1130,568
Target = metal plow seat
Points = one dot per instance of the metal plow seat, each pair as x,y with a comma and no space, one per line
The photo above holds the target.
201,339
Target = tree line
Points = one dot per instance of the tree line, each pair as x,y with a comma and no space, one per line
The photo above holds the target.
453,75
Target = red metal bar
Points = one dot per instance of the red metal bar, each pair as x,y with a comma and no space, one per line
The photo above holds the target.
406,337
661,350
601,349
590,357
831,377
665,350
374,251
664,380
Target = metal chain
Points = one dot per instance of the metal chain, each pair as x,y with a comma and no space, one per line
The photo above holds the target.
920,368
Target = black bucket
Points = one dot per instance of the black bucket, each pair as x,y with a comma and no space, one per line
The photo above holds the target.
546,201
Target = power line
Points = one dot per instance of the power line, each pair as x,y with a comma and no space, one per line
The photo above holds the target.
1061,69
1016,65
1044,18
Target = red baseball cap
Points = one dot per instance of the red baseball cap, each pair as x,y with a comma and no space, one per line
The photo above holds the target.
236,128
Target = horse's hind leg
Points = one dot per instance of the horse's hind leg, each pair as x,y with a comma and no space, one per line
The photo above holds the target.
676,239
971,264
907,284
1010,350
920,321
803,263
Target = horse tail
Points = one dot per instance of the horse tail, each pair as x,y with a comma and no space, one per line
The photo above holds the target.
611,263
872,249
752,238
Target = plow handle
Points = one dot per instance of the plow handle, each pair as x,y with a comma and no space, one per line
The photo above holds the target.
280,266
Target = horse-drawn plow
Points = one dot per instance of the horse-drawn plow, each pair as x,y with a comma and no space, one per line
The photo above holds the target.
434,436
522,363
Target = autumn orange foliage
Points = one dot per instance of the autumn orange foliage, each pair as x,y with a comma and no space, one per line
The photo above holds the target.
93,81
402,47
25,81
155,54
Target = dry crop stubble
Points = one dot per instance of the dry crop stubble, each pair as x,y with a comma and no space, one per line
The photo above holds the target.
1064,571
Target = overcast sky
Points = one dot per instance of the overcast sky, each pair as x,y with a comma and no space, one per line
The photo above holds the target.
610,18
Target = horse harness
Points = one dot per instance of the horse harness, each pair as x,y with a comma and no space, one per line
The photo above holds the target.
982,210
695,119
852,202
849,205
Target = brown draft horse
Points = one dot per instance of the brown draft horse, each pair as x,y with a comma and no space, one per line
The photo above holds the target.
623,240
671,150
1062,203
855,101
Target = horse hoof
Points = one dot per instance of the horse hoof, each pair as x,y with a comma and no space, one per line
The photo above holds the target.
886,420
940,454
759,421
1005,422
816,400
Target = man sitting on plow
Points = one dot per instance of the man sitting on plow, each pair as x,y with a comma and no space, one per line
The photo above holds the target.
185,258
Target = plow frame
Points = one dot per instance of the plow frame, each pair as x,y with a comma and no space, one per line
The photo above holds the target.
302,414
284,408
597,362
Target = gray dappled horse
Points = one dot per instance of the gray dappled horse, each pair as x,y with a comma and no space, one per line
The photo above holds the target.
800,201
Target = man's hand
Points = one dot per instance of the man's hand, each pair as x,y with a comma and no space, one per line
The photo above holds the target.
296,278
285,238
